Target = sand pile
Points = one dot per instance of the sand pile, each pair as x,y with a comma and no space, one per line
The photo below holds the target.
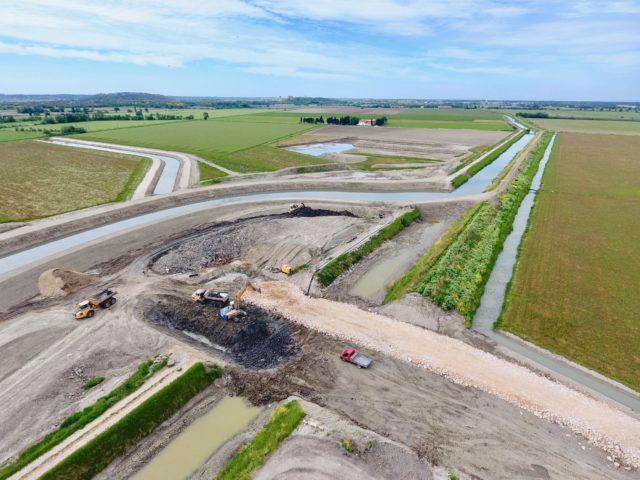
58,283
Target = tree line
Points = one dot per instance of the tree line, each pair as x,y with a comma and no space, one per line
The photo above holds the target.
344,120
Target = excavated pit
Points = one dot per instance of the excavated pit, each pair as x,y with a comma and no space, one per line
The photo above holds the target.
225,242
257,340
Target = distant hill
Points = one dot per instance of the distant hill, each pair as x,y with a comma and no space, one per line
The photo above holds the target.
125,98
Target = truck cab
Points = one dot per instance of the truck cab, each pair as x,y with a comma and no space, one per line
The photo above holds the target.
352,356
84,310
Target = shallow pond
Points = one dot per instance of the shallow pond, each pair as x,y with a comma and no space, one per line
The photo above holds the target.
317,149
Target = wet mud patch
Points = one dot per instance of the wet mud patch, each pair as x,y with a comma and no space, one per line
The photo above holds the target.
257,340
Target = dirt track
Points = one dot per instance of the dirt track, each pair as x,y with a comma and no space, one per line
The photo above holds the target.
601,424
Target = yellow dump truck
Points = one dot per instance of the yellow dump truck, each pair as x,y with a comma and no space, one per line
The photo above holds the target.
88,307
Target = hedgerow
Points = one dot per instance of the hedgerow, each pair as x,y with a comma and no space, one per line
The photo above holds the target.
344,262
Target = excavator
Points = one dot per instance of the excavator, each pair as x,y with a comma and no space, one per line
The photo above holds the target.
283,268
233,310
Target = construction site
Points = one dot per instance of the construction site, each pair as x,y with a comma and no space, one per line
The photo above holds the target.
236,285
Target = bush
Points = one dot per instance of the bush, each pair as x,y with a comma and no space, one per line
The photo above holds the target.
78,420
347,445
284,420
98,453
93,382
344,262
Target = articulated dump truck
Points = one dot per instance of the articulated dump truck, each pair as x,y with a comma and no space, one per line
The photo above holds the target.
88,307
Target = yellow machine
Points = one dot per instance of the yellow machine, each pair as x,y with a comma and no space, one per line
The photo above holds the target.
233,310
294,207
284,268
88,307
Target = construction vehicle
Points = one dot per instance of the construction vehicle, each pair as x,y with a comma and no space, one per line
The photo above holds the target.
296,207
233,310
88,307
352,356
217,299
284,268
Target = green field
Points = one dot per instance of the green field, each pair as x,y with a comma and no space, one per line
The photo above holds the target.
40,179
576,283
588,126
198,112
582,114
253,116
472,119
215,141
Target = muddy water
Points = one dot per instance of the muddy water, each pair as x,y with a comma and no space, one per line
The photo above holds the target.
371,285
192,447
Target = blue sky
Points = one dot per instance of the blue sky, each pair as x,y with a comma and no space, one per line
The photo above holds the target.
482,49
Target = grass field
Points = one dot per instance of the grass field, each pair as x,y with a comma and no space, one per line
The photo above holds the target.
564,113
472,119
588,126
576,283
41,179
212,140
209,174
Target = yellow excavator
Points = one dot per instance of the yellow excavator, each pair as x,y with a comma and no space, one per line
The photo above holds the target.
233,310
283,268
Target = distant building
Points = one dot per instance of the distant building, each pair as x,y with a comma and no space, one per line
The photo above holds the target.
367,122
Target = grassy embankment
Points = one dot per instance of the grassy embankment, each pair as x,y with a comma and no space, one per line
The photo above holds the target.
98,453
375,162
456,275
344,262
575,284
40,179
240,146
284,420
80,419
476,167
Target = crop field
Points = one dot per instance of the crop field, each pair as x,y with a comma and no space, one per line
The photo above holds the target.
257,116
581,114
213,112
576,283
212,140
588,126
11,135
40,179
472,119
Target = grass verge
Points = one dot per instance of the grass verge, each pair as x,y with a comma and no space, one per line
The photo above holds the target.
98,453
332,270
476,167
457,278
93,382
209,174
134,180
80,419
284,420
410,280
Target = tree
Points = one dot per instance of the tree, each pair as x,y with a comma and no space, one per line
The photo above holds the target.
205,115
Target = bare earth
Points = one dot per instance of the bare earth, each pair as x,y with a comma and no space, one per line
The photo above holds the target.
603,425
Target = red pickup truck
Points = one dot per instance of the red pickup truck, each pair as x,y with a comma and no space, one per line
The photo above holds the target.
350,355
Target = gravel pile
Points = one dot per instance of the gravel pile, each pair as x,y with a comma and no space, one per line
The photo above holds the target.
257,340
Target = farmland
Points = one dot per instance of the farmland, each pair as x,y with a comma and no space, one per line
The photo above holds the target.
575,286
212,140
40,179
472,119
588,126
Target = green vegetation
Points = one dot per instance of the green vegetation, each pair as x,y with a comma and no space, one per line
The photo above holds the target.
298,268
98,453
209,174
41,179
412,278
457,278
134,180
284,420
589,126
266,158
80,419
93,382
575,283
327,274
211,140
472,119
347,445
490,158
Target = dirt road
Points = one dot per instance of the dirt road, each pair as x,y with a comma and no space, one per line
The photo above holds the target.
600,423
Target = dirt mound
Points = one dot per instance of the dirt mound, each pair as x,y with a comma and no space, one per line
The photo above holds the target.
58,283
258,340
321,212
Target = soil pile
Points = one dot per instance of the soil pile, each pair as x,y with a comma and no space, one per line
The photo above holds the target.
257,340
320,212
58,283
